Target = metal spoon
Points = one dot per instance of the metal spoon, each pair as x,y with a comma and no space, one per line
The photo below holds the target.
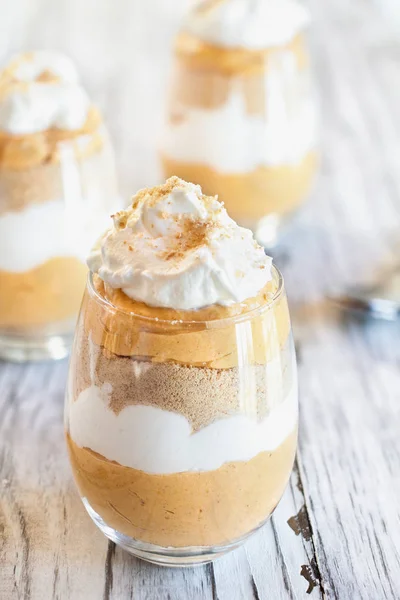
380,300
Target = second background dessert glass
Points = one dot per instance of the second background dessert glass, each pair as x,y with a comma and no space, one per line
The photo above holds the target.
242,116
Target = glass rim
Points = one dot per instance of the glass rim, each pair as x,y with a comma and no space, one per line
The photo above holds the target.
189,324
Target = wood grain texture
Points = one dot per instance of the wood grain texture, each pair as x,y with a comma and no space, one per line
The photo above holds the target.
343,540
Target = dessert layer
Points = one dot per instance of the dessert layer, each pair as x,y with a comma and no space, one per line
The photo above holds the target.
250,196
41,232
55,210
40,91
235,124
21,152
44,295
252,341
177,248
202,395
197,56
211,312
162,442
231,141
252,25
84,179
186,509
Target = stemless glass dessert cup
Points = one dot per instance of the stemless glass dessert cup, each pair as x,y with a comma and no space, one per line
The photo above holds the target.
242,116
57,190
181,425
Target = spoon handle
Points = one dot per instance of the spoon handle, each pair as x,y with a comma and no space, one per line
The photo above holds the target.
381,300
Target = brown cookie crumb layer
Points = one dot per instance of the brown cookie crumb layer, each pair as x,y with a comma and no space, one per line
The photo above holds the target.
202,395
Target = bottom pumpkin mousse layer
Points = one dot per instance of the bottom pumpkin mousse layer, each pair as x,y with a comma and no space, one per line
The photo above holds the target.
45,295
203,508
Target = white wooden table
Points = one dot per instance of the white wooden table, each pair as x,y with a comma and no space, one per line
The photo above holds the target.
343,537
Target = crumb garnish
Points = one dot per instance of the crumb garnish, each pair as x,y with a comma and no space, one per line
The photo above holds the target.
47,76
208,5
120,219
194,234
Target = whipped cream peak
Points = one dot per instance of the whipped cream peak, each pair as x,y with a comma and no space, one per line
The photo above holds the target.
39,91
177,248
249,24
42,65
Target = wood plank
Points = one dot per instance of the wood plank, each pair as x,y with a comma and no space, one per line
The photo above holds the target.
47,539
133,578
287,547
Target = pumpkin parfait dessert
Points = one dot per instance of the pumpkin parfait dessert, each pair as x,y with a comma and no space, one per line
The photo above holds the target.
242,115
181,414
57,190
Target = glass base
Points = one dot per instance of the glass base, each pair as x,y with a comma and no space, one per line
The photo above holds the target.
167,557
270,229
22,348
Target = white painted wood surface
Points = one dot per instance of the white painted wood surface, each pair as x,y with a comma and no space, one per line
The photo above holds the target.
346,484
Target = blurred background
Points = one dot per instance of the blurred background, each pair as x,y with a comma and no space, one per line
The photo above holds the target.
123,52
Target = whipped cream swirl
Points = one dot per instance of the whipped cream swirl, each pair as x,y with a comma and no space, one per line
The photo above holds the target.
176,248
250,24
40,90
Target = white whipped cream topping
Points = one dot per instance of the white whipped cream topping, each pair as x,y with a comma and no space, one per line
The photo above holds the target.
251,24
30,66
154,255
41,105
230,140
161,442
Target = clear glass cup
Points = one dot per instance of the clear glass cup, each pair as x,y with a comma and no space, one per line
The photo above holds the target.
57,191
181,433
243,123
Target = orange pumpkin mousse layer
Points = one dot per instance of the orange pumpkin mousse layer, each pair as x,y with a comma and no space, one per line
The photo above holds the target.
181,404
205,346
40,297
187,509
242,117
57,190
277,190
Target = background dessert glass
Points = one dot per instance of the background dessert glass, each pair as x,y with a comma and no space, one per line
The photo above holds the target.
57,190
242,114
181,432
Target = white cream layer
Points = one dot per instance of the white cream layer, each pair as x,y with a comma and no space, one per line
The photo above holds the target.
251,24
230,140
161,442
40,232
